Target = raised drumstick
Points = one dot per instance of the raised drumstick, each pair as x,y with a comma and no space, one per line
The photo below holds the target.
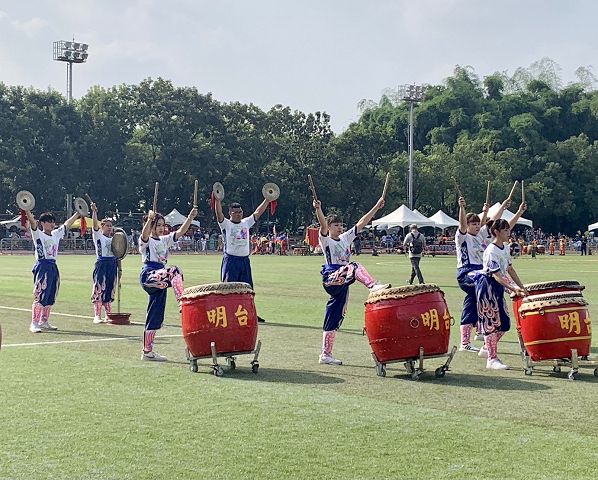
513,190
488,190
386,185
312,187
195,194
522,193
155,197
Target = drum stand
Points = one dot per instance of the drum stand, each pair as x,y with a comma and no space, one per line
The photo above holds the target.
217,370
574,363
410,364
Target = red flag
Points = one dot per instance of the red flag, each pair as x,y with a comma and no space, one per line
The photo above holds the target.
23,218
83,224
212,202
273,205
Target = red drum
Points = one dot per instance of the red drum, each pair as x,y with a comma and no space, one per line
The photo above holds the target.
398,321
546,287
223,313
553,324
541,249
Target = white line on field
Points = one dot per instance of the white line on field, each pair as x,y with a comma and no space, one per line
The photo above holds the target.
53,313
89,340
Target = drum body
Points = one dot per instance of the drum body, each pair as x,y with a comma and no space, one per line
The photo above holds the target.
540,288
553,324
223,313
398,321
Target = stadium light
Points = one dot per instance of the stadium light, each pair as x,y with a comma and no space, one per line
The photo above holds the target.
412,94
70,52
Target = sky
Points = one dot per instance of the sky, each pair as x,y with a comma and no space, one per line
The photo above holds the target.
312,55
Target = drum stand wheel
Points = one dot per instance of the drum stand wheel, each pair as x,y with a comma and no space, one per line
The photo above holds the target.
231,359
415,366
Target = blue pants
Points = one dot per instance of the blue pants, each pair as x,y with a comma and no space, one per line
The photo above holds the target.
236,269
156,287
104,280
339,293
492,309
46,282
469,315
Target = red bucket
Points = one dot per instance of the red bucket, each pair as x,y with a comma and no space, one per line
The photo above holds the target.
223,313
540,288
398,321
553,324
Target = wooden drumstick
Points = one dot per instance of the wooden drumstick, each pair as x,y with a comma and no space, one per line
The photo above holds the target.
312,187
155,197
88,199
459,192
522,193
386,185
195,194
513,190
488,190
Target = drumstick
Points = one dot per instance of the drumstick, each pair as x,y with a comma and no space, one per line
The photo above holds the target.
522,193
195,195
513,190
386,185
312,187
155,197
89,199
457,187
488,190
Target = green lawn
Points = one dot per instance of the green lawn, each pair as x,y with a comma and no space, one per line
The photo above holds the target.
93,410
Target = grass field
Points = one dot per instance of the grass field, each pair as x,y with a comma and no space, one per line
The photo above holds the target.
93,410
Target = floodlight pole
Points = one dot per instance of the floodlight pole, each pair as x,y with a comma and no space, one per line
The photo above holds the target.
69,81
412,94
70,52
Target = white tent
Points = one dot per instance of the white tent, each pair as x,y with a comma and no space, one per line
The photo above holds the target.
594,226
402,217
175,218
508,216
442,220
422,220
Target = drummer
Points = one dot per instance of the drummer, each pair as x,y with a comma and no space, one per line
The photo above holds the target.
496,275
156,277
235,230
338,272
46,277
105,271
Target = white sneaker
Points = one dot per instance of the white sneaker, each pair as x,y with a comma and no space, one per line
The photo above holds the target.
380,286
329,360
153,357
495,364
97,319
483,352
468,348
46,326
34,328
479,337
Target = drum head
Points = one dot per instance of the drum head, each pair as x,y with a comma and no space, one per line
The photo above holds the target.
119,243
81,206
568,284
227,288
402,292
25,200
270,191
218,191
542,301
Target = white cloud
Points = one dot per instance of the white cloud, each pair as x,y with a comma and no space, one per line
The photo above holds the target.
30,27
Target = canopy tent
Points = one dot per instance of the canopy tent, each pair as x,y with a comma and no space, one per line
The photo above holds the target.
402,217
594,226
508,216
422,219
442,220
175,218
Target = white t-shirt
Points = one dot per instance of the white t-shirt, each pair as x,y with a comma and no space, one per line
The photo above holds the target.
46,246
156,249
236,236
102,243
470,249
338,252
496,259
